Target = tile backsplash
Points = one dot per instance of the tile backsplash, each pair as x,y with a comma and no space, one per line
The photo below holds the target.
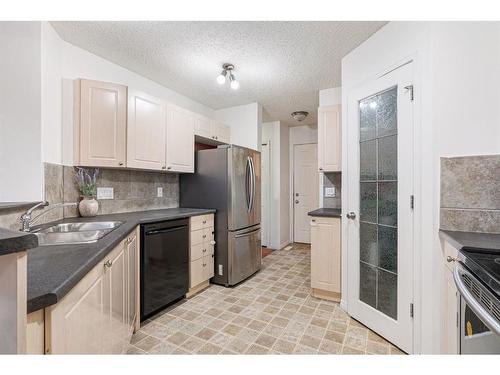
333,179
133,191
470,194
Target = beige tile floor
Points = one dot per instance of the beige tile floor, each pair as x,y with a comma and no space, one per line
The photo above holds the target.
271,313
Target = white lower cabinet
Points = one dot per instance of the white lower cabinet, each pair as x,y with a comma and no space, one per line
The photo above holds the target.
325,257
99,314
201,252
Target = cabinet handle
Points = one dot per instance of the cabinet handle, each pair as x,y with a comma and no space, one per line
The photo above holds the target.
204,221
164,167
212,255
108,264
204,250
320,169
204,264
204,236
313,220
120,163
169,167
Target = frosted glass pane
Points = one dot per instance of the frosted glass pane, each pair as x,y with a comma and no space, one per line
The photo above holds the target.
388,158
367,119
368,284
387,293
368,160
388,203
386,113
368,202
388,248
368,243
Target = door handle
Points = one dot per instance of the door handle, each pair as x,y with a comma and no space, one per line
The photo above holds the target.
351,215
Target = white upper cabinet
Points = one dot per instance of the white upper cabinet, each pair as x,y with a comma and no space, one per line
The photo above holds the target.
213,131
179,140
221,132
100,124
203,127
145,132
329,139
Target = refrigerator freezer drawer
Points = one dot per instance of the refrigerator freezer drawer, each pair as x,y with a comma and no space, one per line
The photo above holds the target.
244,253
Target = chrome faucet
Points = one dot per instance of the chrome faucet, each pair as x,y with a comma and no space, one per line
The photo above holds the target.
27,220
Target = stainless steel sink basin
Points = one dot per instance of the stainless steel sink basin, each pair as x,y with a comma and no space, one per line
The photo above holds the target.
81,227
75,233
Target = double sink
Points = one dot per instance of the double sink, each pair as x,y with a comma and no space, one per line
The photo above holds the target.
75,232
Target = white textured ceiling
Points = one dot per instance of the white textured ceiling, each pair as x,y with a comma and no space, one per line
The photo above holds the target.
281,65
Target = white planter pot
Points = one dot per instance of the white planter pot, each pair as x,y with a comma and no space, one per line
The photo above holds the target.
88,207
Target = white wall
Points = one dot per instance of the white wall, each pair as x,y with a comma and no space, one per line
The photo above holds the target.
331,96
276,134
245,122
63,61
20,154
457,80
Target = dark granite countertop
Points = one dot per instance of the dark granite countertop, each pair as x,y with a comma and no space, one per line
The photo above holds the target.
54,270
471,240
326,212
14,241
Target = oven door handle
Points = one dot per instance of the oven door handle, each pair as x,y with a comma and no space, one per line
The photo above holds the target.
475,306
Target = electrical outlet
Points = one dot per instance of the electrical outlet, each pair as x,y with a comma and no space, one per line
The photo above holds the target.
159,192
329,192
105,193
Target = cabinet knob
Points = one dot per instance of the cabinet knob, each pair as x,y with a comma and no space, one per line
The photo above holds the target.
120,163
108,264
297,201
164,167
204,236
204,264
204,250
169,167
320,169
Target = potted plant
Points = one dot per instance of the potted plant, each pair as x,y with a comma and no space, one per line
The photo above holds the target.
86,181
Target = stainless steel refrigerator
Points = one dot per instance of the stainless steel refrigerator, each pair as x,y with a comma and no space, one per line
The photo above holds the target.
228,179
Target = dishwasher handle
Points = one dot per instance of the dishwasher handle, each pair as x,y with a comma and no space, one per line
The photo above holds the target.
167,230
472,302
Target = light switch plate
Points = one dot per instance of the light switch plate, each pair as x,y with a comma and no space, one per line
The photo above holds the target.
329,192
105,193
159,192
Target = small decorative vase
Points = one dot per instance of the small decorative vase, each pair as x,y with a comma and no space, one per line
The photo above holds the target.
88,206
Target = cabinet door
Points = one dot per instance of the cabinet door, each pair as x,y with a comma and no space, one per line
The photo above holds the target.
220,132
115,302
77,324
208,267
329,139
196,272
325,254
145,131
131,254
180,140
202,127
101,124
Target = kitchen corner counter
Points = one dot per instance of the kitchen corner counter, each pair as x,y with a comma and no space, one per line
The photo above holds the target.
326,212
54,270
471,240
14,241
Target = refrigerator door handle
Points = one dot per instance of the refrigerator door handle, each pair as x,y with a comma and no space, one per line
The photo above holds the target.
248,184
252,184
247,233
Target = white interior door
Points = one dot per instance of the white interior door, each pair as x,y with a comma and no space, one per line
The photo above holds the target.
380,229
265,190
305,189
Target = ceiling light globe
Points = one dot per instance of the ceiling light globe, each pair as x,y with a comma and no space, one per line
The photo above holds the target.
221,79
235,84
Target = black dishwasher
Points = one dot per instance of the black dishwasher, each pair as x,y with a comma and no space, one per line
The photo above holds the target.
164,264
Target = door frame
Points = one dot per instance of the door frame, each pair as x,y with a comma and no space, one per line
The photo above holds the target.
420,160
291,204
267,193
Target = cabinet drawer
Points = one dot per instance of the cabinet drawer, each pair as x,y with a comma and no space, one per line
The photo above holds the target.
199,250
202,221
203,235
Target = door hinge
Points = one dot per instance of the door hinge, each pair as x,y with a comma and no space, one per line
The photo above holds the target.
411,310
412,202
410,88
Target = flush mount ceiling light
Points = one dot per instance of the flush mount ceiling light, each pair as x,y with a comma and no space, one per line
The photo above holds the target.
227,71
300,115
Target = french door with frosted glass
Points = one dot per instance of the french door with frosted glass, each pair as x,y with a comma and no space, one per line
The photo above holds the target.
380,217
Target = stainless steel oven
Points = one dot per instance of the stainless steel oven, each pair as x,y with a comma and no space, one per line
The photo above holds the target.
479,314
